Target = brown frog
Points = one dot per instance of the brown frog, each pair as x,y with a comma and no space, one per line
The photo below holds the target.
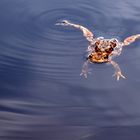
101,50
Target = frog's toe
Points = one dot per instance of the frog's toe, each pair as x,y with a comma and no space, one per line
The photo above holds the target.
83,74
119,75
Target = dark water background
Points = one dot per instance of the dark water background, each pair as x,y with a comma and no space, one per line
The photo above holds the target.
42,96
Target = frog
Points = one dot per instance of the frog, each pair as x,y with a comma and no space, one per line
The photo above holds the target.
101,50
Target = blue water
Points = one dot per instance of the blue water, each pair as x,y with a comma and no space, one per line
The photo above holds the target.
42,95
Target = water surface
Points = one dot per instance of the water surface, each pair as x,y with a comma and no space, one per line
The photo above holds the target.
42,95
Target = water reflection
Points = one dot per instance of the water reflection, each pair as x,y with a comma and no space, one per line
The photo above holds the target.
42,95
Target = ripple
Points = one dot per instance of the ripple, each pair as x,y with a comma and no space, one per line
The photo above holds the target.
48,50
42,93
43,45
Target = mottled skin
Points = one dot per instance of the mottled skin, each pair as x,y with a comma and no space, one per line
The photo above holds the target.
101,50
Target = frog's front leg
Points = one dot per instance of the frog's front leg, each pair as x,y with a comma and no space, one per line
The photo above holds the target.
85,70
130,39
118,72
86,33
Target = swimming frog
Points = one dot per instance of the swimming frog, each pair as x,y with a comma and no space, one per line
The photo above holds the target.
101,50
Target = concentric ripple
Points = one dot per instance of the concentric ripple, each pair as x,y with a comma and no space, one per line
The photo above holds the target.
48,50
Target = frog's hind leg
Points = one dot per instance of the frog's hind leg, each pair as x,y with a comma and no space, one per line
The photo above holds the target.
85,69
86,33
131,39
118,72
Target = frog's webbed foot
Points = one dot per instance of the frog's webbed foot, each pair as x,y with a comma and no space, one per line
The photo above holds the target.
118,74
86,33
130,39
63,23
85,70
